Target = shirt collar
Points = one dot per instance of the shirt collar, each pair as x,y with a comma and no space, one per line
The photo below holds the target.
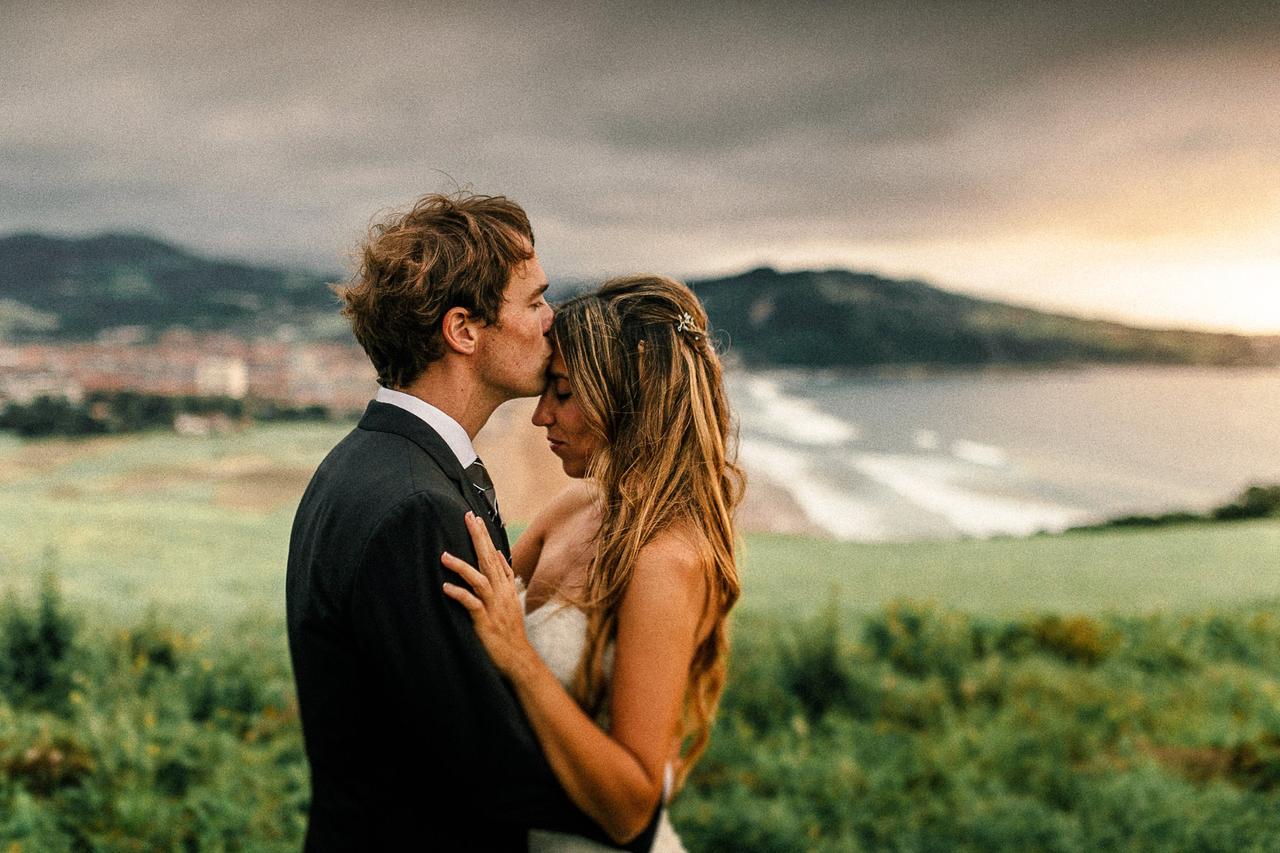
446,427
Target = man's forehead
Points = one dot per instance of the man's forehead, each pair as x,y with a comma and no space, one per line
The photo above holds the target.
528,276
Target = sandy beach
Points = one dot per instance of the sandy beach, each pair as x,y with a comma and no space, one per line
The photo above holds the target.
527,474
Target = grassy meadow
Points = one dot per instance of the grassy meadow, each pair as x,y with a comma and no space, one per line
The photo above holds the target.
200,527
1103,690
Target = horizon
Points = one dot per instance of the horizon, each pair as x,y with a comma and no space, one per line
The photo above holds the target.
1105,161
574,283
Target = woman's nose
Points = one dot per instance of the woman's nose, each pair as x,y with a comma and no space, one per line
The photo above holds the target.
542,413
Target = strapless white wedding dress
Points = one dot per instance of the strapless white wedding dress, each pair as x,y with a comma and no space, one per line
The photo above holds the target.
558,632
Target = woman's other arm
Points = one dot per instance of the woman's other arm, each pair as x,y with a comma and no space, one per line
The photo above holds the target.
616,778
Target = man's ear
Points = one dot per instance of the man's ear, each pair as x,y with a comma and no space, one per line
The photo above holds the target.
459,330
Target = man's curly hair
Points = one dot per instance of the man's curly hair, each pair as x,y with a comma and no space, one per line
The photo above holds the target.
447,251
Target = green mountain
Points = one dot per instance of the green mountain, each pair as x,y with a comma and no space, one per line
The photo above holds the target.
57,288
838,318
74,288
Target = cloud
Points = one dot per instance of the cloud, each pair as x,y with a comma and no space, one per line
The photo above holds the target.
678,137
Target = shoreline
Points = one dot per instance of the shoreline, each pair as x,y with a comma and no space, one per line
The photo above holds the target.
528,474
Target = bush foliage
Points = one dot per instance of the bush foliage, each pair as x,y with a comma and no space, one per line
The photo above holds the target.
112,412
917,728
927,729
1256,501
145,738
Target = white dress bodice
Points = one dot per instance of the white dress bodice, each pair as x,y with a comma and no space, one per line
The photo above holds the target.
558,633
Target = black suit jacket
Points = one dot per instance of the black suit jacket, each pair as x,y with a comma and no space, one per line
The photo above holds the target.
415,740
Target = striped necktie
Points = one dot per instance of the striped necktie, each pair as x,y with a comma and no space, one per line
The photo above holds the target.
480,480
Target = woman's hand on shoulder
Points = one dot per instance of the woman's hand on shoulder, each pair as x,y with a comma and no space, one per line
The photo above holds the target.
492,598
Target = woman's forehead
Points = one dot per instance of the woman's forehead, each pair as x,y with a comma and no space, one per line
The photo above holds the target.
557,368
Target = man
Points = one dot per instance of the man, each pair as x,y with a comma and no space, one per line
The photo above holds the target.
414,739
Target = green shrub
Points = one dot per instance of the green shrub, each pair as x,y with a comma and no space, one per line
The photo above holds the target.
146,737
937,732
1255,502
36,642
1077,639
921,639
1058,733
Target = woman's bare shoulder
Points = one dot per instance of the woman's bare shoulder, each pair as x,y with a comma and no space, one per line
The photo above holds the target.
672,562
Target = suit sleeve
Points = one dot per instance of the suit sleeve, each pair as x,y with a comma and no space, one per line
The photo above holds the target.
460,721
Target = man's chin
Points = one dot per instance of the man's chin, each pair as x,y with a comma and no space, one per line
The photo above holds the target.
534,390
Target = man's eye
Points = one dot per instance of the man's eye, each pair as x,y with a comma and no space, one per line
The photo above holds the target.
563,395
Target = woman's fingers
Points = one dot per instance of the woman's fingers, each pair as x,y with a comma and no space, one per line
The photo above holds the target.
478,581
480,539
493,601
464,597
492,563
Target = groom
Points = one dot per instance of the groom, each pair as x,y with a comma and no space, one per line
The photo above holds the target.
414,739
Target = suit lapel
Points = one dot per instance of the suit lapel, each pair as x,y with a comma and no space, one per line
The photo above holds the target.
384,417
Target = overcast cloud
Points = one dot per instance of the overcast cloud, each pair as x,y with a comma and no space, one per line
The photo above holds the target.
1043,152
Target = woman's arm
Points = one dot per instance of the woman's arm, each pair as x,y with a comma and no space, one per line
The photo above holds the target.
616,778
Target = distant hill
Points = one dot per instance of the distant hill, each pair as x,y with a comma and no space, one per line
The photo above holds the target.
55,288
74,288
838,318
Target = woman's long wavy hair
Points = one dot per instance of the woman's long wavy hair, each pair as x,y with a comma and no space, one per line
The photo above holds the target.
646,375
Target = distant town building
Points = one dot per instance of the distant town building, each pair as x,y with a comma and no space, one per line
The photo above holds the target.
218,376
336,375
200,425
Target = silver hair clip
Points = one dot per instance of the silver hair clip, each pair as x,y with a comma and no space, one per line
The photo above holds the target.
686,324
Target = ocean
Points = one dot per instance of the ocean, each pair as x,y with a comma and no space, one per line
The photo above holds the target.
1011,453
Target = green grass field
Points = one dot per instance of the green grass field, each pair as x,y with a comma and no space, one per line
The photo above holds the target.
200,527
969,718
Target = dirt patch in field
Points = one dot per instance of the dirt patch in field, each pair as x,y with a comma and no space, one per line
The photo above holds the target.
38,458
264,490
66,493
151,480
246,482
1254,765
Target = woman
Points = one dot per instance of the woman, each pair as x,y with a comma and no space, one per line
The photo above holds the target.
618,650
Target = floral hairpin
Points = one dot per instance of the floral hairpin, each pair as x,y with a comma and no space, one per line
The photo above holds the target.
687,324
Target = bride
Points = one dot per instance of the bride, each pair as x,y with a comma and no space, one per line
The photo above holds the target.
617,651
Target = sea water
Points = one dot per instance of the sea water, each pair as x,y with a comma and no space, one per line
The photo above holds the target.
986,454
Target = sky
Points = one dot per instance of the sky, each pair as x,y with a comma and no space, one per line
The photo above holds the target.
1116,160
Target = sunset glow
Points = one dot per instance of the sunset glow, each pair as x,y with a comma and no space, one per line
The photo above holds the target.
1112,160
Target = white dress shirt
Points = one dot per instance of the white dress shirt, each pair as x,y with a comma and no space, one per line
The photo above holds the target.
446,427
